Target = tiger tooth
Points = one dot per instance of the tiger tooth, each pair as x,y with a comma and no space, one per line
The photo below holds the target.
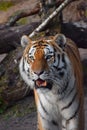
40,83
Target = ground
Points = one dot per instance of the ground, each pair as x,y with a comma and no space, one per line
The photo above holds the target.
22,115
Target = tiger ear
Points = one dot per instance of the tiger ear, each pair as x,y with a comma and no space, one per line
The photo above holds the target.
25,41
60,39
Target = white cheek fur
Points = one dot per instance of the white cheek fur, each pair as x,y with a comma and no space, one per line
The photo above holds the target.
32,51
46,50
25,77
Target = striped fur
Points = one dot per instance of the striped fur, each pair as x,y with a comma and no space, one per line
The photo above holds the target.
52,68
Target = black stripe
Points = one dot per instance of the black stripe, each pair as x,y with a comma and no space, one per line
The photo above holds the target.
63,57
55,67
60,91
70,103
43,117
24,69
23,65
61,74
35,46
63,60
72,89
67,95
58,60
54,57
49,86
76,112
43,107
39,44
45,45
58,57
65,88
54,123
48,101
63,67
60,69
48,49
63,127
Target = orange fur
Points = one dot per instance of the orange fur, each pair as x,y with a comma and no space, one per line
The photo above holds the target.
40,64
74,56
36,101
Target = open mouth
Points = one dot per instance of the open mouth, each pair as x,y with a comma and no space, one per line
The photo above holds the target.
41,83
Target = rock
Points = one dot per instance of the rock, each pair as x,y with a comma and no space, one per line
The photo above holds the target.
12,88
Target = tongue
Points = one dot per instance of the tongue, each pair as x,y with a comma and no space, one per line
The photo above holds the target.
41,82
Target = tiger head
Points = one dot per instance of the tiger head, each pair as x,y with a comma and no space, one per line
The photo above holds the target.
44,61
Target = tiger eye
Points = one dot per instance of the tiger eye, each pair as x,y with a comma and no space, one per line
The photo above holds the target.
50,57
31,58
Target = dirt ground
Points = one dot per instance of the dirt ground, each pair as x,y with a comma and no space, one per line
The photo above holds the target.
14,120
22,115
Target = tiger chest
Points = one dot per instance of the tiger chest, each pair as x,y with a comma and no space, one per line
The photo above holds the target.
48,106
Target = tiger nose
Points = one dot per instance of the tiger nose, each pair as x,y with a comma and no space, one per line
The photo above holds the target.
39,72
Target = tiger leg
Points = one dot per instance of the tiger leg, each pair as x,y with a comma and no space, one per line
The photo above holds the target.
77,122
44,124
39,127
72,124
63,124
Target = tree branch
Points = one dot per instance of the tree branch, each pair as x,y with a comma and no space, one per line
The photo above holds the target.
22,14
10,37
58,10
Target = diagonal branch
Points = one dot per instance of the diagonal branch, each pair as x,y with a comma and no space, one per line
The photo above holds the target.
58,10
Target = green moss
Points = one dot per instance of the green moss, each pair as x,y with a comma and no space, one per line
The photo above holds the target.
4,5
3,105
85,68
19,110
1,89
22,21
86,13
3,81
15,70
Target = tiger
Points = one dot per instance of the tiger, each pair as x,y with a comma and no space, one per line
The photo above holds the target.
51,66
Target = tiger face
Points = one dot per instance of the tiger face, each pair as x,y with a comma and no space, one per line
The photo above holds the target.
44,61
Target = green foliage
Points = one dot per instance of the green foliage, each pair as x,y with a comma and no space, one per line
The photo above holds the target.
22,21
2,106
86,13
4,5
19,109
85,69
